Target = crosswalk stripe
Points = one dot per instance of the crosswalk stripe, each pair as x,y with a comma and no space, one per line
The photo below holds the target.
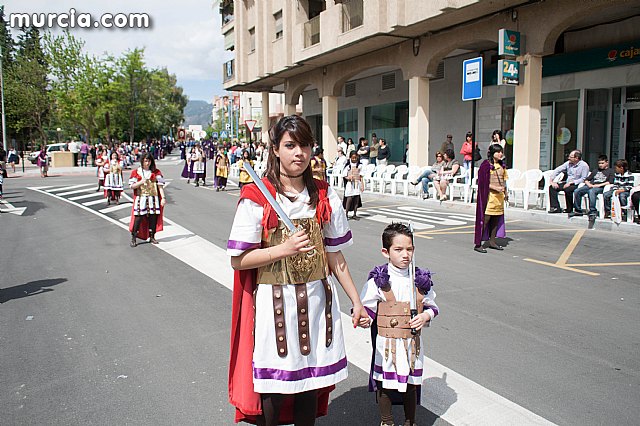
77,191
68,188
116,208
94,202
82,197
420,218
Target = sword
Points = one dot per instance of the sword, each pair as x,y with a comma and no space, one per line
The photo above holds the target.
412,275
283,216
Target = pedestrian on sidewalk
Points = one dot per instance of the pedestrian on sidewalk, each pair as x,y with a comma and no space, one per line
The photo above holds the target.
43,161
84,152
287,349
147,210
467,152
384,153
492,194
387,296
13,159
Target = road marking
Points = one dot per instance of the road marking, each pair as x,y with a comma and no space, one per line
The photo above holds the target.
566,254
68,188
474,404
77,191
19,211
605,264
561,263
94,202
566,268
116,208
82,197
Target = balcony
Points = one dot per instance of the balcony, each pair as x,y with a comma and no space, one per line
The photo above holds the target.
226,11
352,14
228,71
312,32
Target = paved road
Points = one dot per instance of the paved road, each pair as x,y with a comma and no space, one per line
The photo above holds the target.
96,332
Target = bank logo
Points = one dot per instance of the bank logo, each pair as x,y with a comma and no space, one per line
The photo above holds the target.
612,56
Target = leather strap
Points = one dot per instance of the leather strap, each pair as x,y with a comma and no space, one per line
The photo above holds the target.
328,297
395,333
278,315
303,319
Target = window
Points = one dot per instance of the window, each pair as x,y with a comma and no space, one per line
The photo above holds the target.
252,39
277,18
229,40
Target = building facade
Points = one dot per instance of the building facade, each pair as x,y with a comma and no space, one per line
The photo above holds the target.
395,67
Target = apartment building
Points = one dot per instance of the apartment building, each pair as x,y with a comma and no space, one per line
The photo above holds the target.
395,67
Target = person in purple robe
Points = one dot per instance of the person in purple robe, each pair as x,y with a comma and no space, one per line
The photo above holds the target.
492,194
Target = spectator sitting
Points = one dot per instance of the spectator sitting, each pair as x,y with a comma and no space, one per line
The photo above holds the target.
634,195
622,184
430,175
575,171
593,185
450,168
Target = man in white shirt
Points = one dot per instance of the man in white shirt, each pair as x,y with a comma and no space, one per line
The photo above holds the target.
342,144
75,150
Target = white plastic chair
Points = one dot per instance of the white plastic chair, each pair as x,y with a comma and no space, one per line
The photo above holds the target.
385,177
458,183
367,174
532,179
377,174
513,176
412,174
399,178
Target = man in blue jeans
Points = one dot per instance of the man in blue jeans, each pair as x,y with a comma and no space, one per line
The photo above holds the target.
593,185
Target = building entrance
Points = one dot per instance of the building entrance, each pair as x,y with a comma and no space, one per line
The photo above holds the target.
632,146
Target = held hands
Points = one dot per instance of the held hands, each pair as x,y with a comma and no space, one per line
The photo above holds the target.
297,243
420,320
359,317
163,202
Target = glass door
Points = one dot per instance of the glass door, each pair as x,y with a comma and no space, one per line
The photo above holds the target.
632,151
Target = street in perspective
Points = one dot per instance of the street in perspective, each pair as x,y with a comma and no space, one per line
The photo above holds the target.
316,212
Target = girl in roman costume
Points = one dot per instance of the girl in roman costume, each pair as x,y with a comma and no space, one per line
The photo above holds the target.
221,169
113,182
244,177
353,185
199,165
147,211
288,353
102,162
187,170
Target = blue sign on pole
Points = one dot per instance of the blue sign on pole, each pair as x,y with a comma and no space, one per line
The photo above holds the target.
223,135
472,79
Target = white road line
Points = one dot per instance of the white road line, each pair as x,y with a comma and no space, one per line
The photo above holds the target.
68,188
473,405
82,197
94,202
419,217
78,191
418,226
116,208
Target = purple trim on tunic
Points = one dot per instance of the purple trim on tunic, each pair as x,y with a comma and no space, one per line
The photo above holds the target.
390,375
304,373
372,314
337,241
434,309
241,245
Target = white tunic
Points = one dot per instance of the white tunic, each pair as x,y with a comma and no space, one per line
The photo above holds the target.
113,181
352,188
146,204
396,377
198,166
295,373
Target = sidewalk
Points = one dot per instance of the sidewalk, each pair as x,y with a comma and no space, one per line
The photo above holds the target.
34,171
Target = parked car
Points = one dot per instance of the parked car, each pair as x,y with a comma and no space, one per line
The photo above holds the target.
54,147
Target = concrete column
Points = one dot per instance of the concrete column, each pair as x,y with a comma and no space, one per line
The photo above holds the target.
329,127
418,121
526,133
289,109
265,117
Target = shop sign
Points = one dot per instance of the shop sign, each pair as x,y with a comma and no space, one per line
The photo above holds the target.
508,72
508,43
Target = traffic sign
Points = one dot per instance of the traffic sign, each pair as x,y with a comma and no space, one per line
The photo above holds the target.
223,135
472,79
250,124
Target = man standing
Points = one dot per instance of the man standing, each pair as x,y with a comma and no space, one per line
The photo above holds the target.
84,152
74,149
342,144
593,185
448,144
373,149
575,171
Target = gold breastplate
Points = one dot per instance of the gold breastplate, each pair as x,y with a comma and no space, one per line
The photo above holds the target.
298,269
149,189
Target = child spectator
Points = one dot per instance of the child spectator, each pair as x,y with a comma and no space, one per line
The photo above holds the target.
622,184
397,355
593,185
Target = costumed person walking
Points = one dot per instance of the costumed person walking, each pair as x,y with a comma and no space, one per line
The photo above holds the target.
391,292
102,163
287,353
221,169
244,177
353,185
319,165
199,165
147,211
43,161
187,170
113,182
492,194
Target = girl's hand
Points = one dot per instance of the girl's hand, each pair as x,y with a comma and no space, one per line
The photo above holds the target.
163,202
420,320
297,243
360,317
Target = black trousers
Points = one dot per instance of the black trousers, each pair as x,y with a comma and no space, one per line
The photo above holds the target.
635,200
568,196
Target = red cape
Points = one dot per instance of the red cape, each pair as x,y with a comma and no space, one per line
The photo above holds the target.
241,394
143,232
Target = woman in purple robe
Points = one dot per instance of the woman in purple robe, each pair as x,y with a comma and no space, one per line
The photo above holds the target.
492,194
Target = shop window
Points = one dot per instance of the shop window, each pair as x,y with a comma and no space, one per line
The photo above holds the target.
390,122
348,124
596,125
566,130
633,94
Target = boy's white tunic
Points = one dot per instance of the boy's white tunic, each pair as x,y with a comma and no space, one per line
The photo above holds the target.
396,377
295,373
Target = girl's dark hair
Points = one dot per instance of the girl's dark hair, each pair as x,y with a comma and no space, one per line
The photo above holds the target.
300,131
152,165
392,230
622,163
493,148
469,135
497,132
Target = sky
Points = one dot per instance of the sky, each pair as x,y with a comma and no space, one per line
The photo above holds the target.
184,37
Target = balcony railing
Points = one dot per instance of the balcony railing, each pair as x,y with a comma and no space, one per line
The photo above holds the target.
228,71
312,31
352,14
226,11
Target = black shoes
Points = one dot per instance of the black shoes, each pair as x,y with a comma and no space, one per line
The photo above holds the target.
575,213
133,242
479,250
556,210
496,248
